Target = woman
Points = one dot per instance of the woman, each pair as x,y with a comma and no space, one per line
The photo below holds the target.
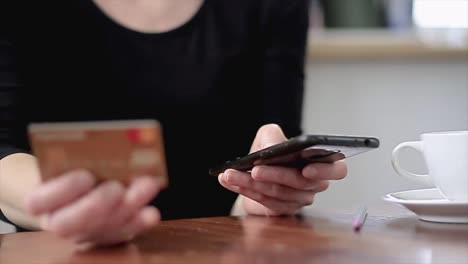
211,71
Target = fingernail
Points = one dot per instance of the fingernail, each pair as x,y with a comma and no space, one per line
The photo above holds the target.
162,181
151,217
228,177
83,175
114,186
30,204
155,179
310,172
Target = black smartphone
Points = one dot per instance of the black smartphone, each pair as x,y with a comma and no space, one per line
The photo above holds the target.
302,150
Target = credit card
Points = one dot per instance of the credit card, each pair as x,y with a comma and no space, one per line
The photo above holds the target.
111,150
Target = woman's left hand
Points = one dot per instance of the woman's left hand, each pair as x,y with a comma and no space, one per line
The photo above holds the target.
275,190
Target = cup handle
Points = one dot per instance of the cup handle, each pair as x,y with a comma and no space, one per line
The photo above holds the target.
417,145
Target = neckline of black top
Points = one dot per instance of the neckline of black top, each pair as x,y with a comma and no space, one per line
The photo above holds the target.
179,29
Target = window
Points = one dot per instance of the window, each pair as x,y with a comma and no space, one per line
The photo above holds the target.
440,13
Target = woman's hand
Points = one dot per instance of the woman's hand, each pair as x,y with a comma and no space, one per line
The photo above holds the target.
274,190
75,208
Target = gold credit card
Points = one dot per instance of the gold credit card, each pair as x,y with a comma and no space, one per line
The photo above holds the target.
111,150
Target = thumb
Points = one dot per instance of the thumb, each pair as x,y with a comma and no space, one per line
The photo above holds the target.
267,135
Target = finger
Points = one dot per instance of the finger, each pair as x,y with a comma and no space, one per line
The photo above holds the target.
266,136
140,192
145,219
322,186
273,190
285,176
277,207
58,192
80,215
326,171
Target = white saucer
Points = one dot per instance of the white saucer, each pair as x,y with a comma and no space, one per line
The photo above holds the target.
430,205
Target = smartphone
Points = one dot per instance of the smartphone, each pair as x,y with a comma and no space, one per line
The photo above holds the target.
111,150
302,150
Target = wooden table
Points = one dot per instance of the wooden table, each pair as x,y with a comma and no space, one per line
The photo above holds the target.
317,238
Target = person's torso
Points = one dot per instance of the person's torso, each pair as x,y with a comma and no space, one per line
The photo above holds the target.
200,80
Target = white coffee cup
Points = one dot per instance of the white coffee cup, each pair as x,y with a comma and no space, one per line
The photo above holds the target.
446,157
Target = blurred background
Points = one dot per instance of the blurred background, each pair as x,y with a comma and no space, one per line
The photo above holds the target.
392,69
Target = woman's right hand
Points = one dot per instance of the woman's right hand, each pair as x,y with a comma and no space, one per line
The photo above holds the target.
74,207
